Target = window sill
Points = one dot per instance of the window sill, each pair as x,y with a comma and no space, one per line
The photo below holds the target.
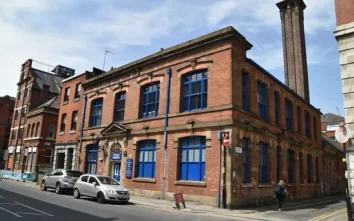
77,99
292,185
72,132
144,180
302,184
247,185
190,183
65,102
265,185
310,184
61,133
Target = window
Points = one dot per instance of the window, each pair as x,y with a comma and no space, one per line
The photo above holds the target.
16,115
301,167
119,107
19,95
298,119
37,130
317,171
276,107
28,130
263,163
91,158
147,159
194,91
51,131
309,168
291,166
262,101
150,100
24,111
20,133
66,95
27,92
17,157
13,134
307,124
63,122
33,133
278,163
315,128
288,114
245,161
245,92
84,179
332,127
48,156
192,158
77,91
96,112
73,120
93,179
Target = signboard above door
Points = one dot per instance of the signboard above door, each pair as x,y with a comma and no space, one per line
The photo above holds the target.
116,156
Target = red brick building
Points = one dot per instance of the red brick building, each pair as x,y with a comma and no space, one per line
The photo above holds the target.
213,87
6,109
35,87
39,137
71,103
329,124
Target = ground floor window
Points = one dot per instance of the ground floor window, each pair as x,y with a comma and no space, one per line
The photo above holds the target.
291,166
91,158
192,158
147,159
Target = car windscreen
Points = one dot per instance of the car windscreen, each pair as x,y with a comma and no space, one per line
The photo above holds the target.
108,181
73,173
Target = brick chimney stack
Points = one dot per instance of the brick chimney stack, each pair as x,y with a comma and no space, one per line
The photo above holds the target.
294,47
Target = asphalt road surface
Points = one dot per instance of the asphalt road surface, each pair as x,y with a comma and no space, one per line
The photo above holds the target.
19,202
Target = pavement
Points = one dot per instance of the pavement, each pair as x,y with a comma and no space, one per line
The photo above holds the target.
14,194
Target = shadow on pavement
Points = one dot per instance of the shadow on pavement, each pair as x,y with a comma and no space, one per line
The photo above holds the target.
60,213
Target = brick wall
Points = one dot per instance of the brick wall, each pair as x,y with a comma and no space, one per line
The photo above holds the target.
344,11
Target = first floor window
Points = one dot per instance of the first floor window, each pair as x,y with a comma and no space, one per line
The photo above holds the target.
147,159
192,158
263,162
150,100
96,112
245,161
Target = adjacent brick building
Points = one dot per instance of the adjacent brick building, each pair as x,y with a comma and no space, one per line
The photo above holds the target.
6,112
69,125
329,124
35,87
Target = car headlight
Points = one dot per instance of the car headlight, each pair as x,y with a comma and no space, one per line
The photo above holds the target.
110,191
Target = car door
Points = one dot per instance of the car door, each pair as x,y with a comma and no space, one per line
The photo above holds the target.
51,178
92,190
82,184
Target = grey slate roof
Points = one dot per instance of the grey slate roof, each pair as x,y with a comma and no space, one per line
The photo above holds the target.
52,103
43,78
331,143
329,117
8,97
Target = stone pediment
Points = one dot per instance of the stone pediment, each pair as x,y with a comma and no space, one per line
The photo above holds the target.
114,127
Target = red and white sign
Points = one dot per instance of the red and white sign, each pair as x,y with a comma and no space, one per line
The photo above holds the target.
226,141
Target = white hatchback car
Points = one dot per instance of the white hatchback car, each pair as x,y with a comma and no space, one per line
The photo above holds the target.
103,188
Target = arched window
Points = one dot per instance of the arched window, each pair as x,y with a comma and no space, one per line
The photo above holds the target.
96,112
194,91
119,106
150,100
33,130
38,130
28,130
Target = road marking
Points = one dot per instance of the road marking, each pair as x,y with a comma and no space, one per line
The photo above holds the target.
32,214
7,204
34,209
2,197
325,216
10,212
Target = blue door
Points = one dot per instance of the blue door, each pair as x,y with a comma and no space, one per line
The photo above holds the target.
116,171
91,159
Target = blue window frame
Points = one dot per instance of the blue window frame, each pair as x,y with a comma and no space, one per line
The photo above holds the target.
194,91
307,124
192,158
309,168
276,107
278,163
245,92
291,166
245,161
288,114
147,159
96,112
263,163
262,101
299,119
150,100
119,107
91,158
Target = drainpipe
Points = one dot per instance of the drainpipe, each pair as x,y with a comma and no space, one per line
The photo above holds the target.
167,110
81,132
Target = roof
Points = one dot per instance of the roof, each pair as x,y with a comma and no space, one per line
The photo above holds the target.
329,117
43,78
52,103
331,143
214,36
72,77
281,83
7,97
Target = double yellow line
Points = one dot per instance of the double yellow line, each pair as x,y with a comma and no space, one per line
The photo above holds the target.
327,215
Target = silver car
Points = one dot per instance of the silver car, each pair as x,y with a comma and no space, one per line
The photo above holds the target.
103,188
60,180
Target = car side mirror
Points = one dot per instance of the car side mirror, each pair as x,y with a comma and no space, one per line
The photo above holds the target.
94,183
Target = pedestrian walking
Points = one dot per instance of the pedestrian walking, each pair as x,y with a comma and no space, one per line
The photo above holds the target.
280,192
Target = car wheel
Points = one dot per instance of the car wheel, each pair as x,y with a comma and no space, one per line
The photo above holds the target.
58,189
76,193
43,186
100,197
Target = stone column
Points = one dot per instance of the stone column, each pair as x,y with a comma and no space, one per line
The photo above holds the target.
73,164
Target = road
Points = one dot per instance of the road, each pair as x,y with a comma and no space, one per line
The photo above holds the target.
20,202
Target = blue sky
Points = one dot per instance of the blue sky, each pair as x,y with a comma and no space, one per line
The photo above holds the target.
76,34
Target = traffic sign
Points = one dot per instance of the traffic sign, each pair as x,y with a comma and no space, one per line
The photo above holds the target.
226,141
342,133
